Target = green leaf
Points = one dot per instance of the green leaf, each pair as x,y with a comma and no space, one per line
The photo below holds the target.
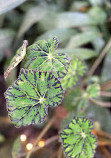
8,5
6,37
82,53
76,70
98,44
73,19
32,16
16,148
30,95
106,75
98,14
69,20
61,34
77,140
93,90
76,100
82,39
41,56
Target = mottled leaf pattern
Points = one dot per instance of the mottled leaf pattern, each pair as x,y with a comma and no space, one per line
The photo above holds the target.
41,57
30,95
77,69
93,90
77,140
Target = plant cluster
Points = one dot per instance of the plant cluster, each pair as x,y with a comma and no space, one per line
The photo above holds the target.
72,74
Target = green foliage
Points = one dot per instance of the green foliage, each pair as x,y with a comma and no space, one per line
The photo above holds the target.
101,115
105,75
30,95
77,69
94,11
81,53
83,29
31,17
41,56
78,142
93,90
8,5
62,34
82,38
78,99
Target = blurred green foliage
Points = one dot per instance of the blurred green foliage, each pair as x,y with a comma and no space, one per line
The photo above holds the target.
83,28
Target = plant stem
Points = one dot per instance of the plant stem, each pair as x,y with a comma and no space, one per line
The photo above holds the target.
100,103
103,134
105,94
104,143
106,85
60,152
41,135
100,58
107,153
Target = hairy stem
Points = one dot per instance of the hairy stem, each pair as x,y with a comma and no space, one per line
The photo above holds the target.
106,85
100,103
60,152
105,94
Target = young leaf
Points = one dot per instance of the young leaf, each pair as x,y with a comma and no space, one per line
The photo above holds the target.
41,56
17,58
93,90
76,100
77,69
30,95
77,140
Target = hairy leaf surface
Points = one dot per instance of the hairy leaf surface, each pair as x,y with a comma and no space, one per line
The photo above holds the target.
30,95
93,90
41,57
77,69
77,140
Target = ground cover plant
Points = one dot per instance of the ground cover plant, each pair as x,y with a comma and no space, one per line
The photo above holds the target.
57,79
